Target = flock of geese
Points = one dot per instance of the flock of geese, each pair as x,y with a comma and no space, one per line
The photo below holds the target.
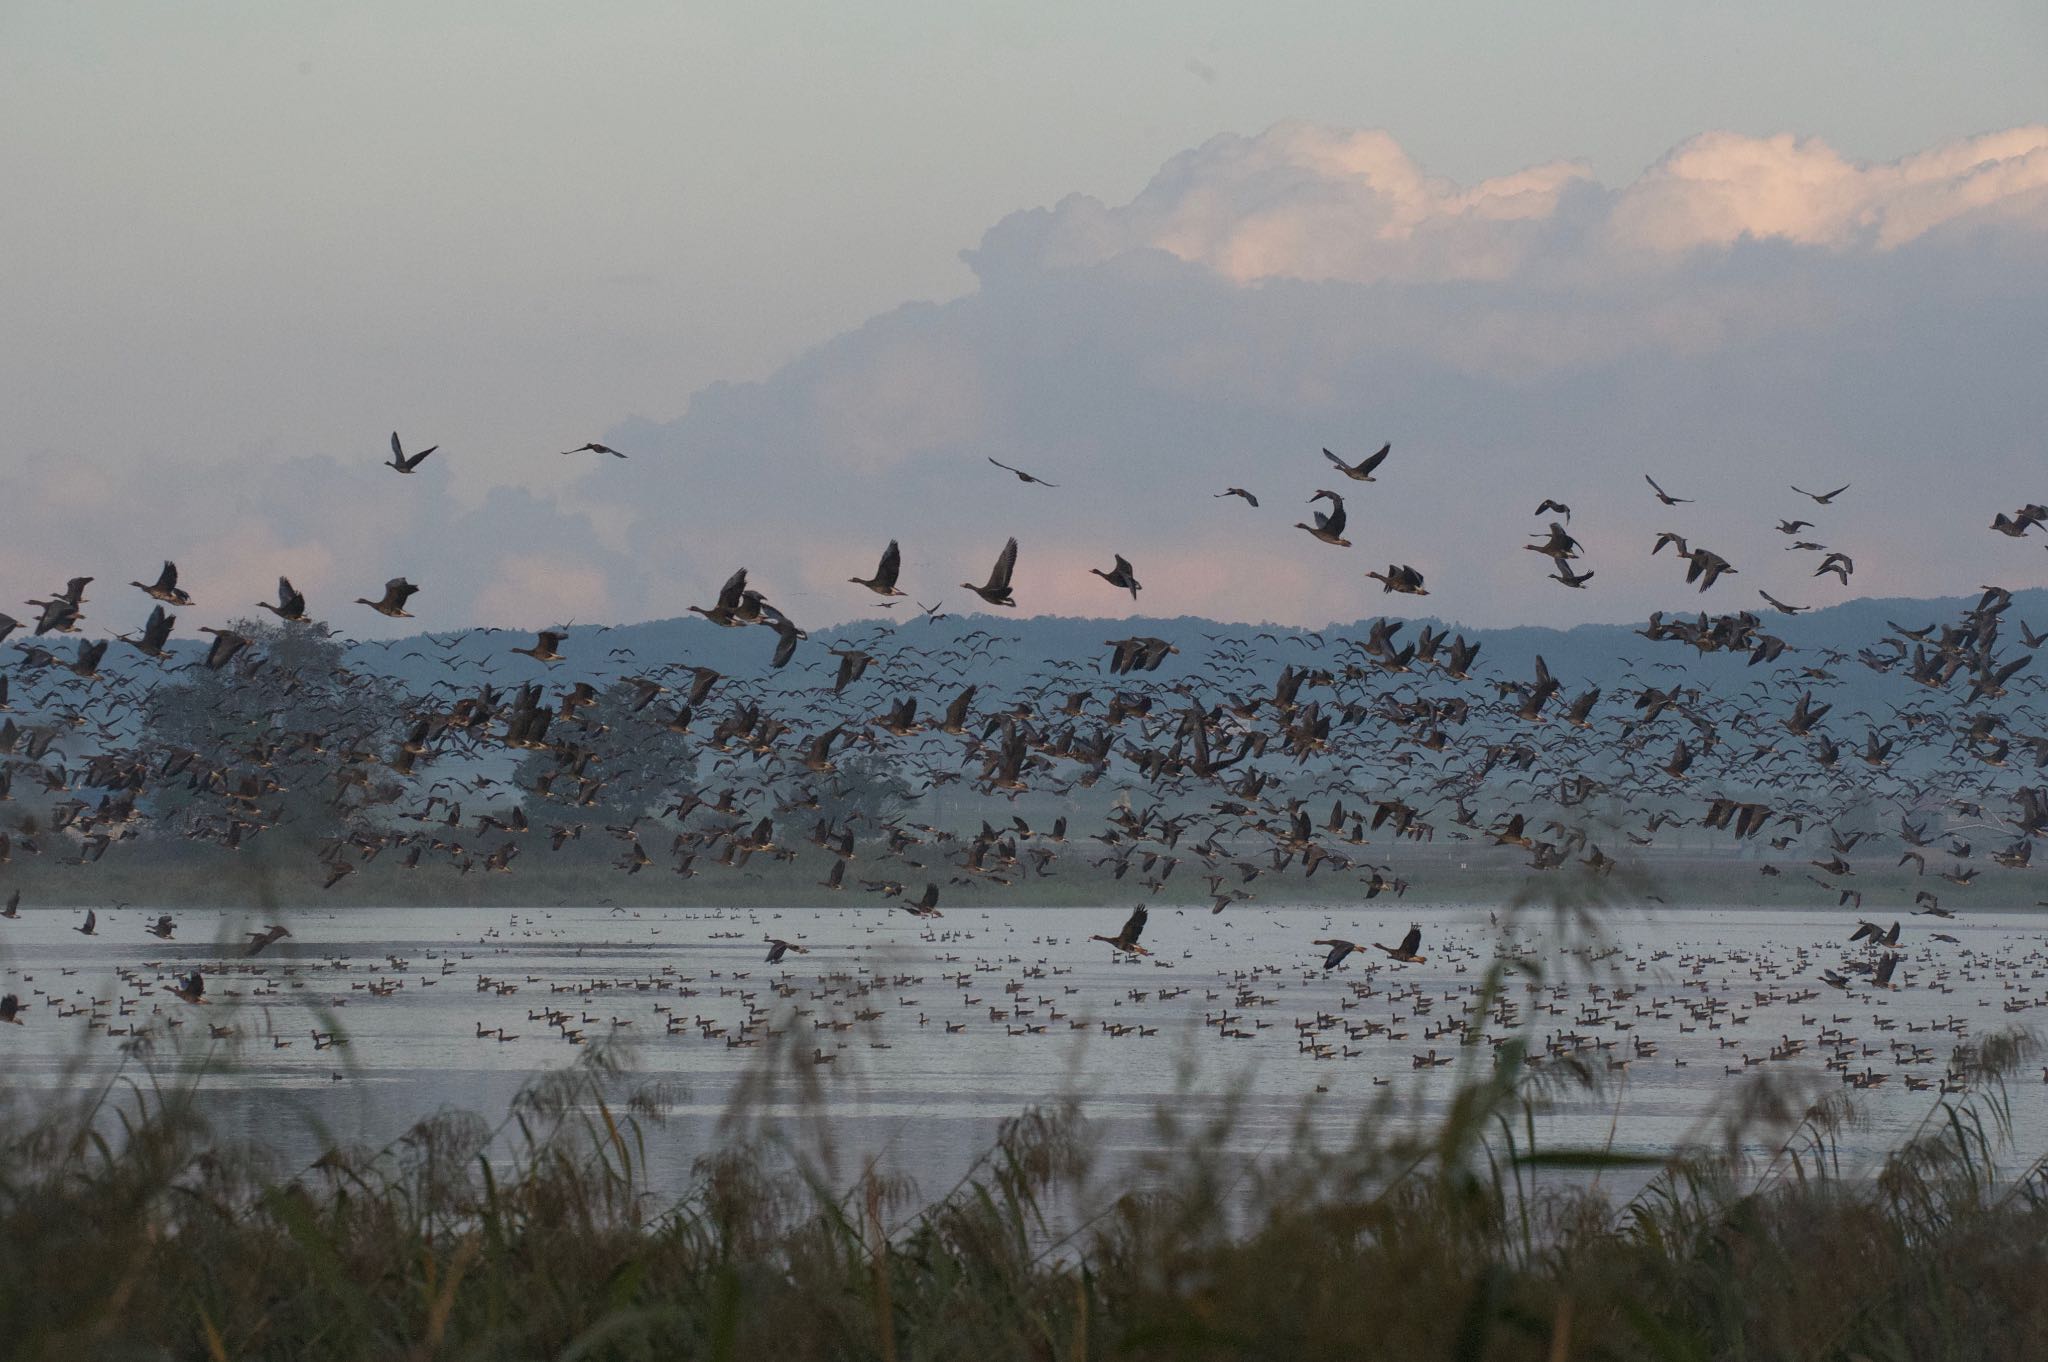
1683,1015
1342,755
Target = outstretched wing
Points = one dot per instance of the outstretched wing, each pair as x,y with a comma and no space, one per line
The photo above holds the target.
1006,563
1377,459
1412,942
1336,955
1134,927
729,594
892,564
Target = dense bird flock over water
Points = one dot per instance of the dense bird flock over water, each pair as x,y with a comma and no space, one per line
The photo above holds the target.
283,742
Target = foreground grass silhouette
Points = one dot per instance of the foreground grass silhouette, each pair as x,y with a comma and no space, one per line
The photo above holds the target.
130,1232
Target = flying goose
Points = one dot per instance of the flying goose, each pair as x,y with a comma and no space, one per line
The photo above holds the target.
1120,575
399,460
997,592
1400,577
1339,948
544,646
1665,496
1406,951
1022,476
730,597
1559,547
1822,498
1250,500
1362,470
1328,528
883,583
155,633
594,448
1127,939
291,603
226,643
397,592
777,948
166,588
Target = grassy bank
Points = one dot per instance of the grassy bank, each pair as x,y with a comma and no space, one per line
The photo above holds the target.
131,1232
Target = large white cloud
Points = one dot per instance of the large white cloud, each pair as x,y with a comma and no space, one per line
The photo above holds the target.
1312,203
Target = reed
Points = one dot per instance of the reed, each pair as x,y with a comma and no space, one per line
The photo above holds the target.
133,1231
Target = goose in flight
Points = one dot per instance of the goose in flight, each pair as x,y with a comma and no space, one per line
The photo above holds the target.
1328,528
1780,606
1127,939
1362,470
10,1010
155,633
1022,476
2020,521
544,646
397,592
269,936
162,928
1400,577
1339,948
1822,498
1841,564
1665,496
166,588
997,591
1559,547
63,611
91,923
1575,580
1250,500
727,610
1875,935
291,603
191,987
400,461
226,643
1550,505
1120,575
594,448
883,583
777,947
1406,951
1707,568
1794,526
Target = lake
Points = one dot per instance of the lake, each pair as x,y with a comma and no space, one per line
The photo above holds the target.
924,1034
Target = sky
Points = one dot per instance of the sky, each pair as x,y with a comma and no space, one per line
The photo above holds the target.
811,265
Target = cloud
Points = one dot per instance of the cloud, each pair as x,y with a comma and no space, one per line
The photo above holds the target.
1322,204
1747,313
